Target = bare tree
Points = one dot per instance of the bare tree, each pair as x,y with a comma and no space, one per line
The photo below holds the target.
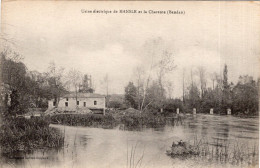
169,86
54,76
164,65
74,79
203,81
139,74
213,79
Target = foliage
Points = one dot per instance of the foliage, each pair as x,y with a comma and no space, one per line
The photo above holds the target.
94,120
21,134
171,105
245,97
130,95
155,97
221,151
116,104
133,121
23,89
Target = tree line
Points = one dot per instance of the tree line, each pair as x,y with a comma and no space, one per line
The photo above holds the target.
22,89
242,98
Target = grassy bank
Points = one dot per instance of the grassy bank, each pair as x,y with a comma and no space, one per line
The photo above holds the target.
128,120
21,134
88,120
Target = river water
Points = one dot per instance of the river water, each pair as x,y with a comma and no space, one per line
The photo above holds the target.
98,148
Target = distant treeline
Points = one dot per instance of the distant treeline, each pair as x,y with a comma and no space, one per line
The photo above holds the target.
242,98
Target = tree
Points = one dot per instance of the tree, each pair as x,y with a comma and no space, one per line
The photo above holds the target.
54,80
226,100
203,80
73,80
139,74
194,96
130,95
164,66
13,82
155,97
245,96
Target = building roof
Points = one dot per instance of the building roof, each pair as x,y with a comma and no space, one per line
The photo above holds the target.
83,95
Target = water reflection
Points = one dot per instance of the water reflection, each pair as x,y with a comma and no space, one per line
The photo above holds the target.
96,147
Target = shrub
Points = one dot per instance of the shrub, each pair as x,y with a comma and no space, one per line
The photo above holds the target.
95,120
21,134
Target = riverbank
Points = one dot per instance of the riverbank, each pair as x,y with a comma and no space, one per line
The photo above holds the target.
129,119
87,120
23,135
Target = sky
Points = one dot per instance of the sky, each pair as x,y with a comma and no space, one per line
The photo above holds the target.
209,34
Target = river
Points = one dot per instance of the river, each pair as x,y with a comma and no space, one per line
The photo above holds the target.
100,148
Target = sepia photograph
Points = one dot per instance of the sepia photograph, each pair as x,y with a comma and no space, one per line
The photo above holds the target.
129,84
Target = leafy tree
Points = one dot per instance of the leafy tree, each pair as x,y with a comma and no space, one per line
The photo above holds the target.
13,75
130,95
55,84
155,97
194,97
226,100
245,96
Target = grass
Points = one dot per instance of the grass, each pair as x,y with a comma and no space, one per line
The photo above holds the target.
220,151
142,121
131,158
89,120
19,134
130,121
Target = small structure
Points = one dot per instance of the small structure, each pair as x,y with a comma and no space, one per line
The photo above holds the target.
228,111
94,102
211,111
194,111
178,111
161,110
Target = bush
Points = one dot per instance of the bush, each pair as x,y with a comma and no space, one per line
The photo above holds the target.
132,121
21,134
95,120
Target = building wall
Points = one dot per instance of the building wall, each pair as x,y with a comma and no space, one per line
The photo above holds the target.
72,102
50,104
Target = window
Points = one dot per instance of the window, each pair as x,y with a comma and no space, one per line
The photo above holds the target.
77,102
54,103
67,99
95,102
84,104
66,104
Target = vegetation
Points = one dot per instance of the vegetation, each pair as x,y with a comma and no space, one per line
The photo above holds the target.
143,120
21,134
220,151
90,120
241,98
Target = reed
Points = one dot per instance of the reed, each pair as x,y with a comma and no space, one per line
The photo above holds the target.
89,120
142,120
221,151
131,157
19,134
